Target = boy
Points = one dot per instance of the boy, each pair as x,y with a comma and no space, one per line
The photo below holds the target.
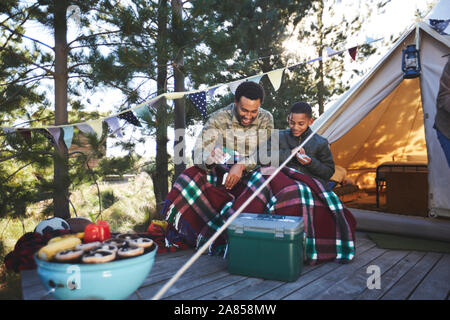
314,159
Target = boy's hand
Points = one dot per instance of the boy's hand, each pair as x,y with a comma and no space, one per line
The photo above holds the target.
302,157
234,175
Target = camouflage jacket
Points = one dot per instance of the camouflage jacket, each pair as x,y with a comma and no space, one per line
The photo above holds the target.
224,130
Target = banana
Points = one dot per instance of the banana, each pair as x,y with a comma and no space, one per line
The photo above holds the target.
79,235
50,250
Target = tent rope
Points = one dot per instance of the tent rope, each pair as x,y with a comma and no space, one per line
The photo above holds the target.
205,246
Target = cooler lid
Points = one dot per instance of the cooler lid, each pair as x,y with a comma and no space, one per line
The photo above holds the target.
267,223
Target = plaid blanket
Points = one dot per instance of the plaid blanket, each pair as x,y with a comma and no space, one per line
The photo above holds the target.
199,204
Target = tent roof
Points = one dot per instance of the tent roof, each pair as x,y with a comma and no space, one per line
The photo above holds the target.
333,112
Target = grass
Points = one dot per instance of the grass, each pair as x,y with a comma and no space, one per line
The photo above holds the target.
131,206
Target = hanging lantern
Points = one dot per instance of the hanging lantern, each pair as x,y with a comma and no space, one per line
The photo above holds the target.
410,62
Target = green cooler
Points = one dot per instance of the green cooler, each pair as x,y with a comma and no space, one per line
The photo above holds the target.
266,246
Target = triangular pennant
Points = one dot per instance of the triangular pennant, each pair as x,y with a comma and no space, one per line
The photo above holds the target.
47,135
114,124
211,92
352,52
439,25
255,78
143,113
233,85
331,52
56,133
26,134
199,100
85,128
174,95
8,130
97,126
275,78
130,117
369,39
68,136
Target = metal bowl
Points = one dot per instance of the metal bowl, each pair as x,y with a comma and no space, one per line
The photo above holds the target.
115,280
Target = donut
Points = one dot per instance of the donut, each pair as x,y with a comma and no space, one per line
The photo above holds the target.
109,247
117,242
68,255
98,256
127,236
129,250
88,246
142,242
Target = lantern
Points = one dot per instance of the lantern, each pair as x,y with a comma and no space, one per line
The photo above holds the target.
410,62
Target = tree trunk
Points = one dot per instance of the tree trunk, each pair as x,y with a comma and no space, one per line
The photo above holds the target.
321,84
161,176
61,178
180,114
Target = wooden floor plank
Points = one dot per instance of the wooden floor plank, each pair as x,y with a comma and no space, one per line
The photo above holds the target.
325,268
259,289
312,289
405,286
390,277
405,275
204,264
255,290
349,287
436,284
181,285
207,287
230,290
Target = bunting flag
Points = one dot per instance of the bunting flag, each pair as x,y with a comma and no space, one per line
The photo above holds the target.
174,95
211,91
275,78
114,124
199,100
26,134
331,52
369,39
47,135
233,85
256,78
439,25
352,52
97,126
85,128
129,116
143,113
56,133
8,130
68,136
197,97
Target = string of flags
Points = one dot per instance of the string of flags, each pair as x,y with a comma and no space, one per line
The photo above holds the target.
142,111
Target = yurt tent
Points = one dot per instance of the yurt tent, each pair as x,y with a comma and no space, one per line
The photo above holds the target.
385,118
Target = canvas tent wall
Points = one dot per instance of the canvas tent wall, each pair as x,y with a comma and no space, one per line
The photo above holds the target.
387,118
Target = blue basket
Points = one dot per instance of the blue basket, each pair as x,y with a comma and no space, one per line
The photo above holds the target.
114,280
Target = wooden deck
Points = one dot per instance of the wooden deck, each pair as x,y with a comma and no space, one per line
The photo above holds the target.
404,275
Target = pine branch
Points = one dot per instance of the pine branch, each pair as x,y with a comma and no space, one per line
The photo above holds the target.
28,61
14,32
92,35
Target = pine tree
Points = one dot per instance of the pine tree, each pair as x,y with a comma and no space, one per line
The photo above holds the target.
324,27
22,71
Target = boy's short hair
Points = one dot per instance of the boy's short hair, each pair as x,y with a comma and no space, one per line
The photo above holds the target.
301,107
250,90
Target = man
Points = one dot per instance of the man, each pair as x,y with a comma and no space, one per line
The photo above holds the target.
239,127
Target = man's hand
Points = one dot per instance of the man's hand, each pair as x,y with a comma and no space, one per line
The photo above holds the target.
234,175
217,156
302,157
